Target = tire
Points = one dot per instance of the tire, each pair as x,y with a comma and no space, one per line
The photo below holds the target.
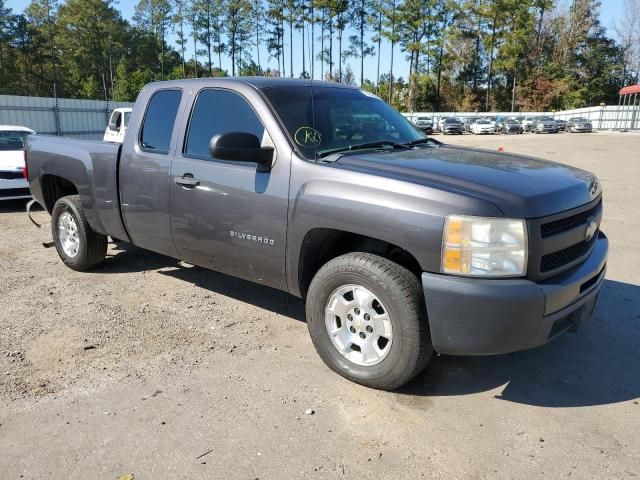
83,248
399,298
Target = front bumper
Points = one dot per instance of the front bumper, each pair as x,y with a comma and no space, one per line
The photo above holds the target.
472,316
547,129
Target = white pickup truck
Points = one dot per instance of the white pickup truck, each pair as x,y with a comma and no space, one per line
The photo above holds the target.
114,133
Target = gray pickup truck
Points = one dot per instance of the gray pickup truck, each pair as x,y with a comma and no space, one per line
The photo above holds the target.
400,245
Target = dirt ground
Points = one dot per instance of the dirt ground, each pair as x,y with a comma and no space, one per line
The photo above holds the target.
150,367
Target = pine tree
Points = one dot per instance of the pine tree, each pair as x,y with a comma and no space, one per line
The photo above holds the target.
179,21
154,16
360,12
238,25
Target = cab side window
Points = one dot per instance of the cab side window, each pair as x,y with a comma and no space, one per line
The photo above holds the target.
219,111
157,126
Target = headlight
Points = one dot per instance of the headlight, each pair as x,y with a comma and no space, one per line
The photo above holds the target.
484,247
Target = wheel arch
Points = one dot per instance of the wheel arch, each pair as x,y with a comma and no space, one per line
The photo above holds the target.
321,245
55,187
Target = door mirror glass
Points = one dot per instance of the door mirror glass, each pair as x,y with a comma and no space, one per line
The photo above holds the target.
241,147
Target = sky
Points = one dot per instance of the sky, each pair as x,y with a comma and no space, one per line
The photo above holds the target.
610,14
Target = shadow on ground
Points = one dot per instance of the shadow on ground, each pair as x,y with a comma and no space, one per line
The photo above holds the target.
128,258
597,365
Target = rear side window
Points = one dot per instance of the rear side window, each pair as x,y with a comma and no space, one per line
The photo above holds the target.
157,127
219,111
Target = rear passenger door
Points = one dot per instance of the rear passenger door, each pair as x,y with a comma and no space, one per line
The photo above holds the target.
229,217
145,174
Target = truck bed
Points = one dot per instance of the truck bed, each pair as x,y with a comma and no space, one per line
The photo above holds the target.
92,166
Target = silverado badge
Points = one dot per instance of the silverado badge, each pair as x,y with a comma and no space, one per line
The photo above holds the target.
252,238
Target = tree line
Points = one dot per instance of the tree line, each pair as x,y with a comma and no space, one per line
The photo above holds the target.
470,55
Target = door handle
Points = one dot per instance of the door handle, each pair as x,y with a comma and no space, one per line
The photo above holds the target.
187,181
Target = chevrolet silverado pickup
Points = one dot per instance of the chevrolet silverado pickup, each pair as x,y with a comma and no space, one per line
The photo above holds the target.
401,246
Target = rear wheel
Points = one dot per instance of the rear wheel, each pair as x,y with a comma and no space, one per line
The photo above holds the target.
79,247
367,319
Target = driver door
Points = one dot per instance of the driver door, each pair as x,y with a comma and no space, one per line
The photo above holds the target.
225,215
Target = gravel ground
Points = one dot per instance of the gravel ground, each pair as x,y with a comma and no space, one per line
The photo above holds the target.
159,369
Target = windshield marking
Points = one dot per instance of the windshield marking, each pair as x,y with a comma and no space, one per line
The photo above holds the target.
307,136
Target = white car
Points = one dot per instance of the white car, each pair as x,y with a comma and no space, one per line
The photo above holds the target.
117,127
483,126
528,121
13,170
440,123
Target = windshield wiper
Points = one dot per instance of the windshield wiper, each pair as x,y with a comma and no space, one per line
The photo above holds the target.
423,140
363,146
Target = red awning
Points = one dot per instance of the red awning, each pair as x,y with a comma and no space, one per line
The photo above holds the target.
630,89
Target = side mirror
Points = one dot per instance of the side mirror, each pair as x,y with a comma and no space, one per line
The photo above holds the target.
241,147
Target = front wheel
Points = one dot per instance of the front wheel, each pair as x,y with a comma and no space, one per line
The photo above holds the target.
79,247
367,320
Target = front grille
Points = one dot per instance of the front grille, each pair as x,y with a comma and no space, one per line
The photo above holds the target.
565,224
11,175
558,242
555,260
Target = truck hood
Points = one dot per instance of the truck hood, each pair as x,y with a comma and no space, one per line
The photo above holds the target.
520,186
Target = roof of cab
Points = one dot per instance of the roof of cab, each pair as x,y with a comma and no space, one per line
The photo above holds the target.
257,82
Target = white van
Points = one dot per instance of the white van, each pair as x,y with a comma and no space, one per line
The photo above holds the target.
114,133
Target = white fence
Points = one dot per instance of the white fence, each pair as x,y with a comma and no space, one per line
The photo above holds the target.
614,117
88,118
62,116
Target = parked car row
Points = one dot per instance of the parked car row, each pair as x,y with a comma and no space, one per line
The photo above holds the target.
490,125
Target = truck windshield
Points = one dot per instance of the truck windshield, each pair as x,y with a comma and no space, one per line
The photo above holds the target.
323,120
